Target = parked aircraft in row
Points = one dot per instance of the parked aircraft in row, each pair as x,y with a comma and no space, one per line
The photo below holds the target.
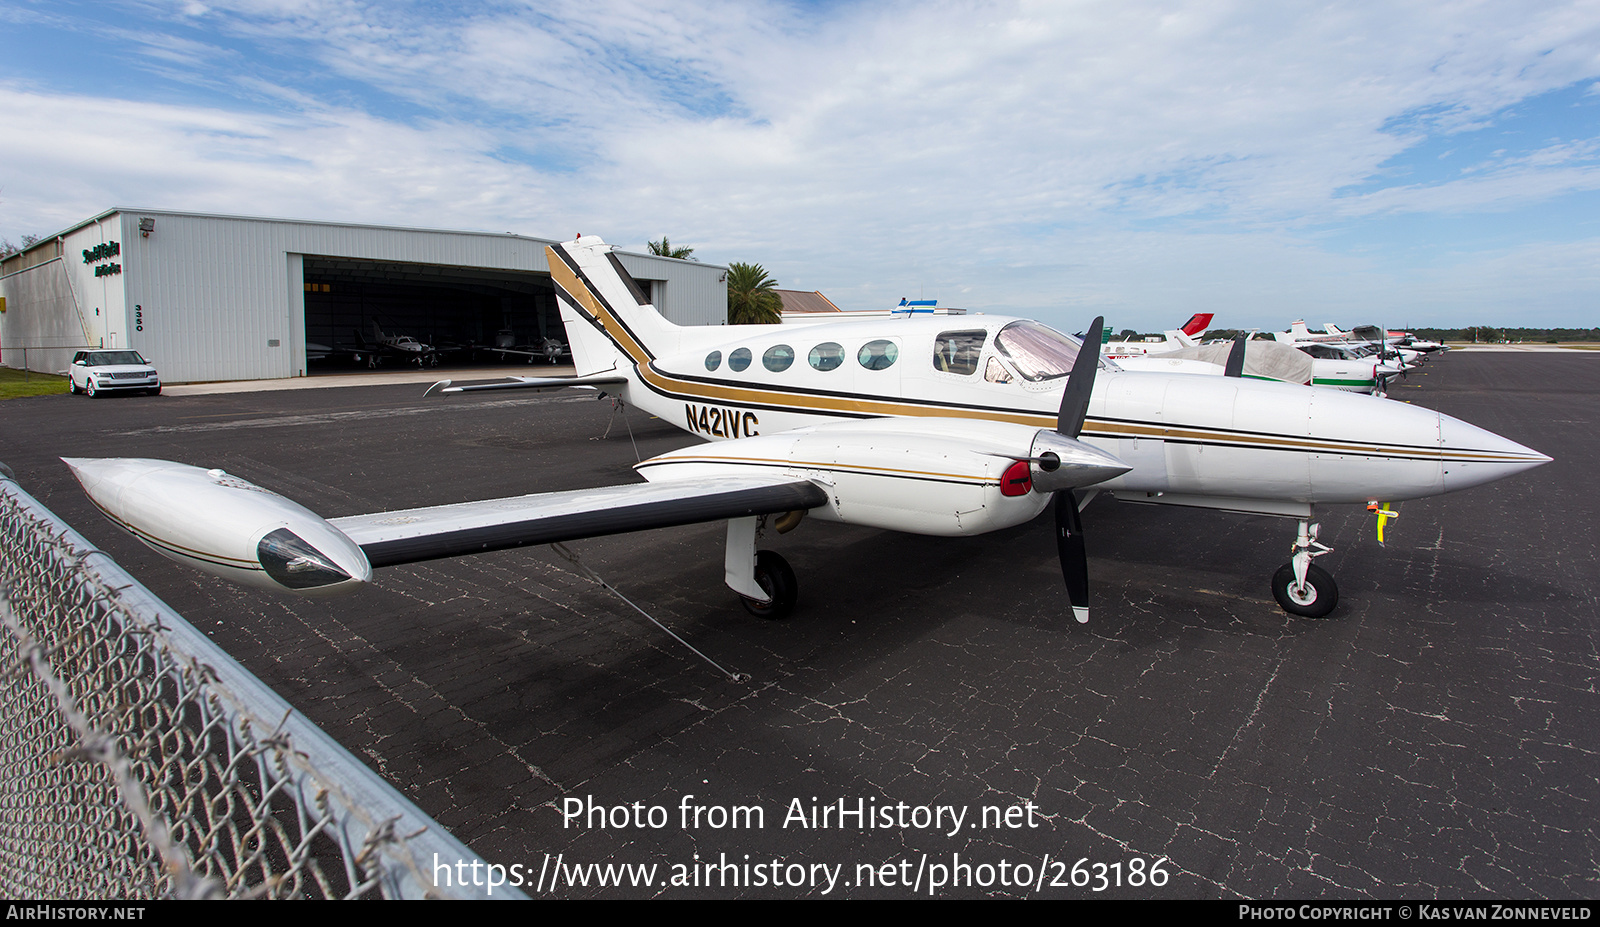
1391,340
1186,336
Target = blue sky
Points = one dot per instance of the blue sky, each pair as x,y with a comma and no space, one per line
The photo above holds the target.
1423,163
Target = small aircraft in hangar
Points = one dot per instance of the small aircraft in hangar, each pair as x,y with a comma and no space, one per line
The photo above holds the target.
945,426
404,347
549,349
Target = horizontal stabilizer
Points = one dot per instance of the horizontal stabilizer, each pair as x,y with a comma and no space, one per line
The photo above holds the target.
391,538
595,379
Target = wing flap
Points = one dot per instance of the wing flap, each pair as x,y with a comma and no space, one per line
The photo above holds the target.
413,535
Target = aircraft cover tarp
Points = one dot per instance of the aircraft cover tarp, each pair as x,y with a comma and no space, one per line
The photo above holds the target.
1265,359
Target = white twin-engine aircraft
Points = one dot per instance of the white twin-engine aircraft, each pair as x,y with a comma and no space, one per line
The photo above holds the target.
938,425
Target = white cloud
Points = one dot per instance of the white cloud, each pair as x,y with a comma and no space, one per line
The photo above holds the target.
1131,155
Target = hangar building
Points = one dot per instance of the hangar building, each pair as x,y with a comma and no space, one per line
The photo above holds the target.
210,298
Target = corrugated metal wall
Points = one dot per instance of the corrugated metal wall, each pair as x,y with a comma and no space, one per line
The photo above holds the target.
687,292
215,292
217,297
42,327
60,306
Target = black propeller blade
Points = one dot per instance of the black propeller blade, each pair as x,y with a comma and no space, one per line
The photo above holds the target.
1235,366
1074,558
1069,422
1080,383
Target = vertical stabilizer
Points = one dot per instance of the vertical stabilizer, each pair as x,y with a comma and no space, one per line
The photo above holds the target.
1188,336
609,321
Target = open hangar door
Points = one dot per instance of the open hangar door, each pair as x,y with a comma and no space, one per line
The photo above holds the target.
459,311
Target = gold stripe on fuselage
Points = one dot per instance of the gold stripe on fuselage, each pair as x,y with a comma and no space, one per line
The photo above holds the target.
806,404
863,469
596,306
772,398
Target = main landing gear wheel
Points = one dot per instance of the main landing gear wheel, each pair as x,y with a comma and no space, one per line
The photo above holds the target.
776,579
1316,599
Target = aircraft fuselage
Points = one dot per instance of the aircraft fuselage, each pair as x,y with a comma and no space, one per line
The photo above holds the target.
1183,435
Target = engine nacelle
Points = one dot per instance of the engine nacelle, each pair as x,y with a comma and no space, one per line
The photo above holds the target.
933,476
223,525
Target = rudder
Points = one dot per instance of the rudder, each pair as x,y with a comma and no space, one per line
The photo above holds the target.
610,324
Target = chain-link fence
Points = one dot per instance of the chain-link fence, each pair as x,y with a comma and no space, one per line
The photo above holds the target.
137,760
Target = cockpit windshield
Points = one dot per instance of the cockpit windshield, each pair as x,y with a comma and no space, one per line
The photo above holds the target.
1038,352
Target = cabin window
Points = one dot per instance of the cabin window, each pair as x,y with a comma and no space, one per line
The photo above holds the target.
996,372
739,359
957,352
778,358
1038,352
713,360
878,355
827,356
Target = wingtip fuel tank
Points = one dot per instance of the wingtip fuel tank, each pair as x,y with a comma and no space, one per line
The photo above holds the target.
223,525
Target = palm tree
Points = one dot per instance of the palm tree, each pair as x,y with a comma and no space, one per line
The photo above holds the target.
665,249
752,296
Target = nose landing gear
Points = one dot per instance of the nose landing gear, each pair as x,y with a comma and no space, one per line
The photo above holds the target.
1300,586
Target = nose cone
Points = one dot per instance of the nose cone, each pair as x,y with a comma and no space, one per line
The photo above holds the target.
1392,451
1473,456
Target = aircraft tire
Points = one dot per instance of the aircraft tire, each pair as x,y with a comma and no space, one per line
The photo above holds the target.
1318,598
775,577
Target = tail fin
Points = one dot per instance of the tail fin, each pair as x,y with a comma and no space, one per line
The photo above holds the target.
1197,324
610,324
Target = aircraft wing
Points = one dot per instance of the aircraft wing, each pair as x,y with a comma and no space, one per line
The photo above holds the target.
229,527
523,351
412,535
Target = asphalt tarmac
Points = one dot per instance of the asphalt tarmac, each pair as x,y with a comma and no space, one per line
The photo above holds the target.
1438,737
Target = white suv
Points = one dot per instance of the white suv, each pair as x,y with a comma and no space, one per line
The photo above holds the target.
96,372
